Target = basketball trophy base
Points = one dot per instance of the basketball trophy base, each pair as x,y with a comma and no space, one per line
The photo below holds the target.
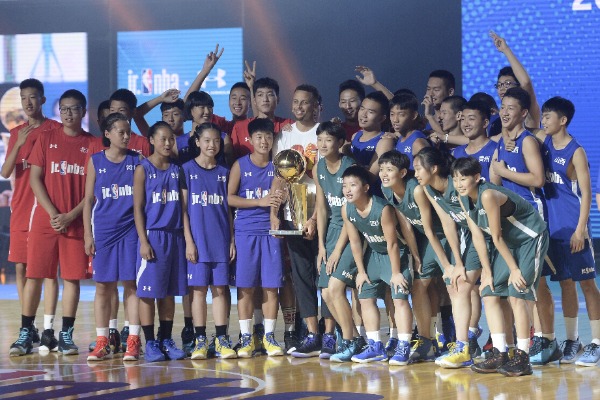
285,232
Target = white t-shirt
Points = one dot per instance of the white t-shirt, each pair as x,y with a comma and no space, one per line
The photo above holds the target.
306,144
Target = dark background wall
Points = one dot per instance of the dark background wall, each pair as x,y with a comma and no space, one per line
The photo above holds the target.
309,41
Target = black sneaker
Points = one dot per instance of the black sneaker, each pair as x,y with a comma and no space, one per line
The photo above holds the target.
571,350
290,341
494,360
188,340
35,336
23,345
310,347
124,335
114,340
66,344
518,365
328,346
536,346
48,341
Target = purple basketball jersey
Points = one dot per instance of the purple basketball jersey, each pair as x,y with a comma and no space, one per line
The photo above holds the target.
163,206
255,183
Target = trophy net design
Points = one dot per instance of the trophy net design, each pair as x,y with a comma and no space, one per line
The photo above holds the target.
290,166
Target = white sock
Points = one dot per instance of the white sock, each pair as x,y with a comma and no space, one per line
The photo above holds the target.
405,337
113,323
270,325
523,344
538,334
361,330
102,332
473,330
258,316
394,333
595,331
48,321
432,324
499,341
374,336
245,325
549,336
125,323
135,330
572,328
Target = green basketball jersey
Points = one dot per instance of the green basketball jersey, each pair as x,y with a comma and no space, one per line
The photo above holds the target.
523,225
370,226
448,201
332,188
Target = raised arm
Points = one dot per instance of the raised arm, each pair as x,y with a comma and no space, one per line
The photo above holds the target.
368,79
209,63
169,96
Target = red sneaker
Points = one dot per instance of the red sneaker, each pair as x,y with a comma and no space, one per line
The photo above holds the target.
133,348
102,350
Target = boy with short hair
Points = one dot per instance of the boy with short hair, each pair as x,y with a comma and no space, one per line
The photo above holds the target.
568,198
56,237
20,145
404,117
441,84
171,109
450,116
351,93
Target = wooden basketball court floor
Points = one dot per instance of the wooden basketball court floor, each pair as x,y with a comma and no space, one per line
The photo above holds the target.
56,376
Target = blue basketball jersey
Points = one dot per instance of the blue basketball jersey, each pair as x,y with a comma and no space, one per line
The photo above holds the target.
515,161
406,146
363,152
163,206
563,195
185,153
484,156
112,214
208,211
255,183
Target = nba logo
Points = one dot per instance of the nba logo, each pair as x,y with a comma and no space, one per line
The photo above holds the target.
115,191
147,81
258,193
204,198
164,196
63,167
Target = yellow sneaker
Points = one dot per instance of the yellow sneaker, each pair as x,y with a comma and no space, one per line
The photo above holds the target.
200,351
271,346
223,348
458,356
246,349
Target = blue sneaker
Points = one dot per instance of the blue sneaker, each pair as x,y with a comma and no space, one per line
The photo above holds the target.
348,349
448,329
390,347
171,351
422,350
401,353
23,345
373,351
310,347
66,344
152,352
571,350
590,356
328,346
474,348
223,348
550,351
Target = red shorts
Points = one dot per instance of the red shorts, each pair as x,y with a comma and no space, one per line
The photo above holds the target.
47,250
17,248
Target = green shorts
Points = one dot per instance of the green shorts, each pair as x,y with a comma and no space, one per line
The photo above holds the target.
379,271
431,266
470,258
529,257
346,268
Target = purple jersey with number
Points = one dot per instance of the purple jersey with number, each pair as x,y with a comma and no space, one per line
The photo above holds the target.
163,206
255,183
208,211
112,214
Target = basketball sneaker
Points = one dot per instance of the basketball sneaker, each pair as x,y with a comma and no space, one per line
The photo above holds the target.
494,360
257,337
422,350
310,347
291,342
401,353
188,339
348,349
66,344
48,341
200,350
246,348
124,335
101,351
223,348
271,346
372,352
390,347
458,356
114,340
550,351
328,346
133,348
590,356
571,350
23,345
153,352
171,351
518,365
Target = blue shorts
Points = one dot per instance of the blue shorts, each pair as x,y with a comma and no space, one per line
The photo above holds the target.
116,262
578,266
208,273
259,262
165,275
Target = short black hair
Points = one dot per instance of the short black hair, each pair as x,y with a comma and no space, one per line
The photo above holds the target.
34,84
104,105
352,84
268,83
310,89
397,159
432,156
333,129
241,85
508,71
521,95
487,99
126,96
359,172
176,104
466,166
197,99
261,125
480,106
200,129
74,94
154,128
380,98
405,101
456,102
563,107
446,76
108,123
404,91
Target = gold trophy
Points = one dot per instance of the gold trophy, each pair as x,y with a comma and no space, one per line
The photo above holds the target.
290,166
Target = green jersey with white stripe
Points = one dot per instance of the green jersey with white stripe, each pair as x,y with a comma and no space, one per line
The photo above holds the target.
370,226
524,224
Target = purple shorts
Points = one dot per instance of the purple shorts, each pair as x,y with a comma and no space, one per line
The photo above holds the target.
165,275
259,261
208,273
116,262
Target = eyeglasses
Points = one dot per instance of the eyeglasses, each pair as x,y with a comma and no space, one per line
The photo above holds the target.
73,109
506,84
